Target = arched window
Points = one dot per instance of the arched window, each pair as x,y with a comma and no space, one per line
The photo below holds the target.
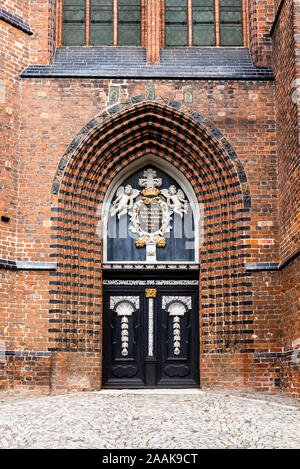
101,23
203,23
151,215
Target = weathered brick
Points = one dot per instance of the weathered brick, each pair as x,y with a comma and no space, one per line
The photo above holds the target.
236,140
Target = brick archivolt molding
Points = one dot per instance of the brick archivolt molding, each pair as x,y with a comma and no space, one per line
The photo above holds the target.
118,136
93,127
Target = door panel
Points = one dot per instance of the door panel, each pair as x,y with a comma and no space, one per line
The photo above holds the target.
123,339
150,336
177,338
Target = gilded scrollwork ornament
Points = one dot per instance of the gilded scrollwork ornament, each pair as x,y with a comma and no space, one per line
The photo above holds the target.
161,243
150,292
139,242
150,211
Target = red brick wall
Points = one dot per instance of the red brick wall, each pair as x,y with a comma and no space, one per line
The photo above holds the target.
24,334
25,372
291,327
287,104
261,16
232,370
43,23
14,50
47,115
75,372
20,8
239,110
291,373
14,57
287,109
291,310
267,306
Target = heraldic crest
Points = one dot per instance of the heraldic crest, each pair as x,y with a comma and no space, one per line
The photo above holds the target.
150,210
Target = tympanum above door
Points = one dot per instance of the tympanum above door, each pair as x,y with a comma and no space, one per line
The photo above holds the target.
151,216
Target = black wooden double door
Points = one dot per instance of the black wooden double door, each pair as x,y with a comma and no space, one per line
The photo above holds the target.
150,336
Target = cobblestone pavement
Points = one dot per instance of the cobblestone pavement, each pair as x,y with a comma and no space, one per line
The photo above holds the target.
192,419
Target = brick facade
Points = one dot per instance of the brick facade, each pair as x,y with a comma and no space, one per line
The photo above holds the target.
236,141
286,68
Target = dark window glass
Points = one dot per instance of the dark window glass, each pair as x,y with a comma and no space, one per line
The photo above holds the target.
74,23
129,22
176,22
101,27
203,23
231,23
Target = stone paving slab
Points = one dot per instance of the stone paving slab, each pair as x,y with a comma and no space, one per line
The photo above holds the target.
164,419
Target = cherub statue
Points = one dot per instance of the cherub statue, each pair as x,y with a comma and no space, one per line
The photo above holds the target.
176,200
124,200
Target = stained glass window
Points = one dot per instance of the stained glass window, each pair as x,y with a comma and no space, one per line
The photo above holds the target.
231,17
74,23
118,22
176,23
101,23
203,23
129,22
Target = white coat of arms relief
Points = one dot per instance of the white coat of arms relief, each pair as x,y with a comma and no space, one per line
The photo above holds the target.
150,210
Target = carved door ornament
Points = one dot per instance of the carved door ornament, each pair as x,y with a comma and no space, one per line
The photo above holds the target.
124,306
150,335
150,292
176,306
150,210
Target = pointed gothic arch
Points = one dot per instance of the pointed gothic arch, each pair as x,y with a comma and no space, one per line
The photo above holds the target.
117,137
192,217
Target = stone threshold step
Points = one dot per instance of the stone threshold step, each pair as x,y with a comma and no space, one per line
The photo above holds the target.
151,391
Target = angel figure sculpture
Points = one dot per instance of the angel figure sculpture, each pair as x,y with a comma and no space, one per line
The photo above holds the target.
124,200
176,200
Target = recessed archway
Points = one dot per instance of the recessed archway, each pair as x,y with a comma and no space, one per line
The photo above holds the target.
106,146
194,208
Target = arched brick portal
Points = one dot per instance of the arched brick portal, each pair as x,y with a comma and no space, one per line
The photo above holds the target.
193,145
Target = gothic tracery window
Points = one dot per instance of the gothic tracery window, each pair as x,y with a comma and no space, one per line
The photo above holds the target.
101,22
203,23
121,22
